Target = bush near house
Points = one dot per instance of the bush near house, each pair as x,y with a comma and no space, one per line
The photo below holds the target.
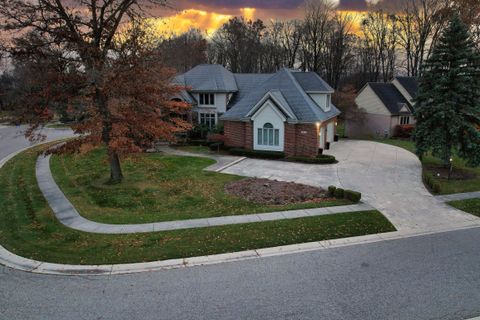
340,193
404,131
257,153
352,195
331,191
320,159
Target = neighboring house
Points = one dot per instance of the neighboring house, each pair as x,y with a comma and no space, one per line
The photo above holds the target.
288,111
385,106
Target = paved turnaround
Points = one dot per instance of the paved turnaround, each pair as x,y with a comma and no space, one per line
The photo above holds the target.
426,277
389,178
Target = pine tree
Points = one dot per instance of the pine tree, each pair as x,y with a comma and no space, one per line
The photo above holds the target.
448,102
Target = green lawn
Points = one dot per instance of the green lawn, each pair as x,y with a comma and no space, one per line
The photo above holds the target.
471,206
28,228
156,188
429,163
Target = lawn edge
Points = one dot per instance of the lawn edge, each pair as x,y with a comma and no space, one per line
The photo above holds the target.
17,262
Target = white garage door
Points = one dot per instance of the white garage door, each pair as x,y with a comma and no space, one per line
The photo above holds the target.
330,132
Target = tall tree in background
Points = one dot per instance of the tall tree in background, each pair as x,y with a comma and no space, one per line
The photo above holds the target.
448,103
185,51
318,13
380,39
238,45
291,37
124,91
420,22
470,13
338,48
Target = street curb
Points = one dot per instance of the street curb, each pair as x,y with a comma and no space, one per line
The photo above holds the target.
14,261
231,164
17,262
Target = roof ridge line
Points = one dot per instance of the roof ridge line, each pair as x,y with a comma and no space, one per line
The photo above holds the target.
302,92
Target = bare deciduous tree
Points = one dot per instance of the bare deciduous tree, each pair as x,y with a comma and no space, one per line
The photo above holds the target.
86,33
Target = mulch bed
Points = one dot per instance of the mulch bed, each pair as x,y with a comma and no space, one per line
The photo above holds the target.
275,192
457,174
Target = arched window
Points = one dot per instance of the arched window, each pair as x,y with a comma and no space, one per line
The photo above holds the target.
268,135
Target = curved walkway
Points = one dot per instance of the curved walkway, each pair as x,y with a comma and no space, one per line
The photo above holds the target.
389,178
12,260
69,216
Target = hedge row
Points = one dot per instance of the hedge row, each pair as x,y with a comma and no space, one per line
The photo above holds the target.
320,159
431,183
340,193
257,153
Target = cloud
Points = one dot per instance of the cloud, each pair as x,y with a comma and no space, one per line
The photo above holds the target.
353,5
189,19
237,4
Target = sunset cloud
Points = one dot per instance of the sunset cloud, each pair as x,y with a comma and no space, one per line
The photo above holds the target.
181,22
209,15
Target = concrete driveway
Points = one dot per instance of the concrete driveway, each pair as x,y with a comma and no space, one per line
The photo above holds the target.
389,178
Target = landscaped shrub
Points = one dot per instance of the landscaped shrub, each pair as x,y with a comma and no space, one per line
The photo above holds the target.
320,159
215,137
199,132
257,153
197,142
216,146
331,191
436,188
353,196
430,182
339,193
403,131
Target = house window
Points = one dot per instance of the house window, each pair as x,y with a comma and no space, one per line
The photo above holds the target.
207,99
207,119
268,135
404,120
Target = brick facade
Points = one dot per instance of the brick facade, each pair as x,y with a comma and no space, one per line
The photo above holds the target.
301,140
238,134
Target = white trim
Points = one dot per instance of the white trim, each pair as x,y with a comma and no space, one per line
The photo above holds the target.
265,98
277,119
265,105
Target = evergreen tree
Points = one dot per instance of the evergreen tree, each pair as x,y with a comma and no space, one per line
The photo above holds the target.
448,102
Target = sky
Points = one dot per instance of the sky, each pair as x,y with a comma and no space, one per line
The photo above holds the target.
208,15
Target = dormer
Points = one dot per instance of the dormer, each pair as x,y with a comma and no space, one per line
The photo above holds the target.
323,100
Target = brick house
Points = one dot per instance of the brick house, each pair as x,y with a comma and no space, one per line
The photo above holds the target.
288,111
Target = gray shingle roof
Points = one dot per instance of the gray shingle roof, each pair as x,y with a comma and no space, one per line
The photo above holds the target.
208,78
285,82
311,82
246,83
410,84
390,96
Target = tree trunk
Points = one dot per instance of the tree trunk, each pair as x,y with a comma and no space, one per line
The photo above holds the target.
116,175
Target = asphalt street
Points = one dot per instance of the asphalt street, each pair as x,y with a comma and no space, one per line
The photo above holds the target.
427,277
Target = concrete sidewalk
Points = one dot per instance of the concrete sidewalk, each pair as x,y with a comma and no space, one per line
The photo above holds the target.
69,216
459,196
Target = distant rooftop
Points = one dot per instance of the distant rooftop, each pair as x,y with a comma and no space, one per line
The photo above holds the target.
390,96
410,84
